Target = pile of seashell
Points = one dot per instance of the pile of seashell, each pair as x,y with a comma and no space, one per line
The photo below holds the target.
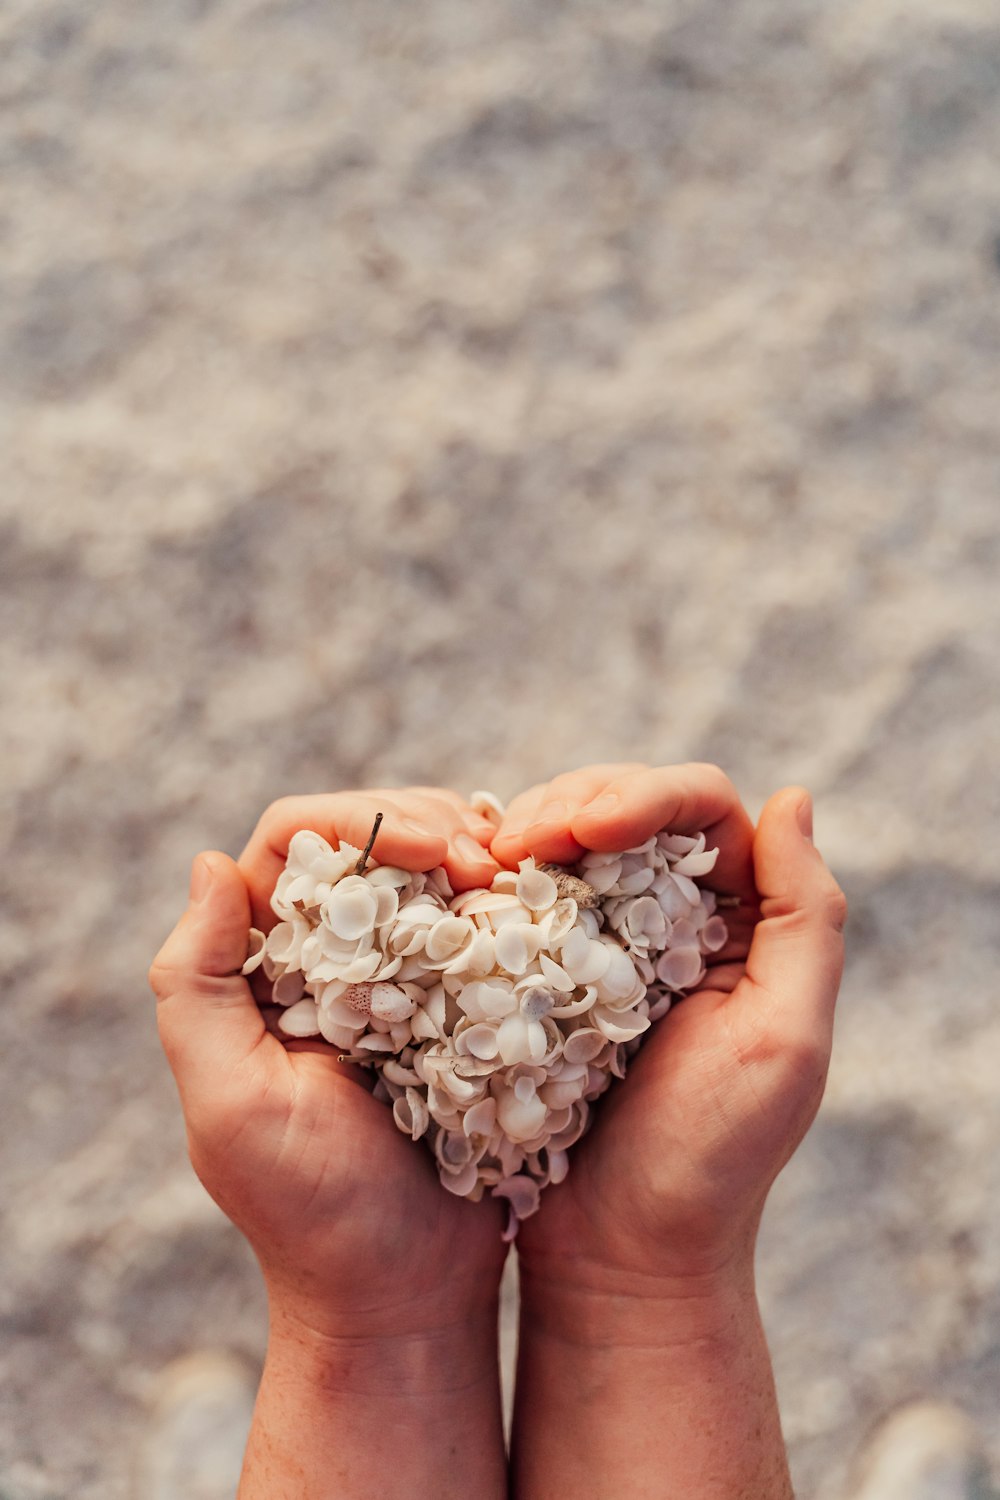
495,1017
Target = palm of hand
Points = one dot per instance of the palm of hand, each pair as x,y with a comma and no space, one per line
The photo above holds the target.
676,1167
329,1191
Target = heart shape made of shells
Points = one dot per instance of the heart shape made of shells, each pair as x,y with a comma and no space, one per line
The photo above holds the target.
494,1018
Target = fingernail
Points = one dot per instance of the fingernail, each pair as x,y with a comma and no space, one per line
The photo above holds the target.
201,880
805,816
413,826
469,848
552,812
606,803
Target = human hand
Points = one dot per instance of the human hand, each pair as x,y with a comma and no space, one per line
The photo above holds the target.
668,1186
348,1219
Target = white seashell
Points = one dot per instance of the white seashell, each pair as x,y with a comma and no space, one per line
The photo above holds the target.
448,937
494,1018
521,1192
341,1037
636,881
660,1006
394,1072
487,806
680,967
560,919
619,1026
687,888
390,1003
256,950
373,1041
479,1040
555,975
462,1183
584,1045
683,934
575,1007
535,889
481,1117
516,946
619,979
558,1164
351,908
679,844
488,1000
301,1019
289,988
520,1040
410,1112
584,959
696,863
520,1118
714,935
602,877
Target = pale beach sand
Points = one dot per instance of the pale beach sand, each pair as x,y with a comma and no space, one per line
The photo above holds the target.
464,392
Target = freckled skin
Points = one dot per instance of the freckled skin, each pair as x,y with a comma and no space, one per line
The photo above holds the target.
643,1369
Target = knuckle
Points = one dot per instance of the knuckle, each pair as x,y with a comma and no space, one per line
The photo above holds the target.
278,811
835,907
709,771
161,978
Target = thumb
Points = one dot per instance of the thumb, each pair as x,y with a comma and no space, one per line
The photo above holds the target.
206,1013
796,956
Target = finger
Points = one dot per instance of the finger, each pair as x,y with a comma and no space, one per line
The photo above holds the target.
467,863
796,959
693,798
541,826
208,1019
508,844
482,829
337,816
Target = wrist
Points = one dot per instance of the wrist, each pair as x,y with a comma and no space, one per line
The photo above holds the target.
591,1304
379,1416
407,1352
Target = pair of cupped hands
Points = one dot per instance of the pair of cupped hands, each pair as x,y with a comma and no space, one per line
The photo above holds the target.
354,1232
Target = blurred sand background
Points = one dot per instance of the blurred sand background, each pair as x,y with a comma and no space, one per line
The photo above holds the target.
464,392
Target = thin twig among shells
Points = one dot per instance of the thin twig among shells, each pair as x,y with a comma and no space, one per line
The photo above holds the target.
493,1018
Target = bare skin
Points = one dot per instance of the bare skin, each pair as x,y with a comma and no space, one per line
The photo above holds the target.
382,1287
643,1368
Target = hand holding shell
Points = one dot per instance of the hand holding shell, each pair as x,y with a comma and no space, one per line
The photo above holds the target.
494,1017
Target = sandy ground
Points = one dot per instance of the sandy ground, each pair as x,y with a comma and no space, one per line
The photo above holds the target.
462,393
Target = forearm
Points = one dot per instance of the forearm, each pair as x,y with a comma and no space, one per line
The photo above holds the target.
349,1418
622,1391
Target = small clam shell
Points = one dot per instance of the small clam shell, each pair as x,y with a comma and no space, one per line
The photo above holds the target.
680,967
714,935
463,1182
411,1113
516,946
521,1193
582,1046
301,1019
481,1118
694,864
535,888
255,956
351,908
288,988
487,806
